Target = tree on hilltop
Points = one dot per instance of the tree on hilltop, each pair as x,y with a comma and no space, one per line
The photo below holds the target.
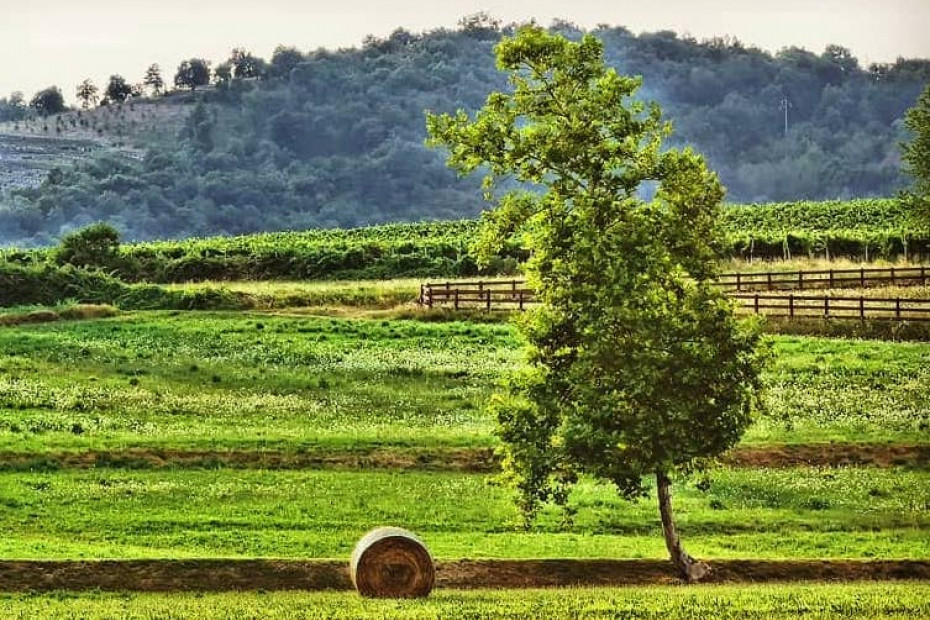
284,60
636,366
118,89
245,65
223,74
48,101
154,80
87,94
192,73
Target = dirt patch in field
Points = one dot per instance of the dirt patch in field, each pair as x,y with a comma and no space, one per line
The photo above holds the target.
476,460
228,575
830,455
466,459
551,573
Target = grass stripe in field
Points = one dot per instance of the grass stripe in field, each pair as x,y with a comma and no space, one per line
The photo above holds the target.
866,601
761,513
216,382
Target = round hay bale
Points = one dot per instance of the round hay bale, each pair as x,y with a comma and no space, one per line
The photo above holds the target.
390,562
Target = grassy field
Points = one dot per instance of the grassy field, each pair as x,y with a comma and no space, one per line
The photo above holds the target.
891,600
251,381
796,513
291,294
236,383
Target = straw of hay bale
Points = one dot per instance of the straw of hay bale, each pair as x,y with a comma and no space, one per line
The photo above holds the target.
390,562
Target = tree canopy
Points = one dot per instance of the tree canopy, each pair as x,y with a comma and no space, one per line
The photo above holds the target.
48,101
86,93
192,73
917,156
154,80
118,89
636,364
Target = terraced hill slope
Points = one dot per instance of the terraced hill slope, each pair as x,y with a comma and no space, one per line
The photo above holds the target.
30,149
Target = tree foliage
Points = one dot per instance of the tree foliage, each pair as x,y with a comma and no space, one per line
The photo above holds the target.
95,246
636,365
48,101
917,156
118,89
245,65
154,80
192,74
86,93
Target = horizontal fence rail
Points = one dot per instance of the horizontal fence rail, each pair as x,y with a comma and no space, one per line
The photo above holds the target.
825,279
826,307
514,294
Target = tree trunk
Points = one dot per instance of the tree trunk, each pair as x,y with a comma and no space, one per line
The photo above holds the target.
690,569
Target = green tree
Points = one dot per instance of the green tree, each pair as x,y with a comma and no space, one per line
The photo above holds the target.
154,80
199,127
245,65
636,364
916,156
48,101
118,89
284,60
87,94
223,73
192,73
94,246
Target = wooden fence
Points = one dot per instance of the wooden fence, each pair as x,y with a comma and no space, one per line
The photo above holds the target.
825,307
487,295
514,295
825,279
508,293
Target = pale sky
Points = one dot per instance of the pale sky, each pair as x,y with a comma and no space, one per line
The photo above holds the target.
45,42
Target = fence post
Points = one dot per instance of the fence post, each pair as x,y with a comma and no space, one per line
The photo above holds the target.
862,308
923,274
897,308
894,282
769,274
456,299
791,305
826,307
756,306
862,277
831,278
738,285
800,280
488,297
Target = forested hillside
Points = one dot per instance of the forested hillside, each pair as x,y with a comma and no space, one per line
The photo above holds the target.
335,138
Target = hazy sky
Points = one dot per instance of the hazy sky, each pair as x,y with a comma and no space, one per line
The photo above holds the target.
63,41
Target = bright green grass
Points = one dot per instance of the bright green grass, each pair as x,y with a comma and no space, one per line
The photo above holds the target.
884,600
358,293
798,513
225,381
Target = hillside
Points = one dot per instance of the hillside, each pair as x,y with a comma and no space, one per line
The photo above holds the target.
335,139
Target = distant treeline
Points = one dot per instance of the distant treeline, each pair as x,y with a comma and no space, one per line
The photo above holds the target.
335,139
862,229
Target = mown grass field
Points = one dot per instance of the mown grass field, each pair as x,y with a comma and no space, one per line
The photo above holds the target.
798,513
224,381
234,383
867,601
